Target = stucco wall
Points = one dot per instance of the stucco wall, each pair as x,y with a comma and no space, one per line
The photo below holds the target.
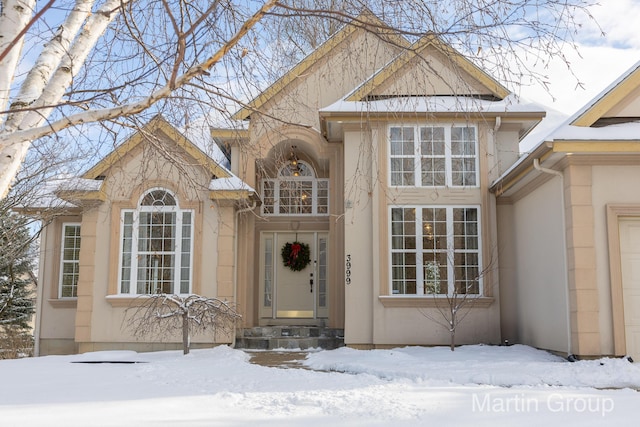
374,317
420,326
432,73
56,318
94,320
143,171
359,248
533,278
325,82
506,152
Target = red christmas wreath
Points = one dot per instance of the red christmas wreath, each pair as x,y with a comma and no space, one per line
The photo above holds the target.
296,255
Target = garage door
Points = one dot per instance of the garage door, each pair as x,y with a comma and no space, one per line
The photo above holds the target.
630,259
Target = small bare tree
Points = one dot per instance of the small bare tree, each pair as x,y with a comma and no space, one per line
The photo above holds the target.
159,315
452,307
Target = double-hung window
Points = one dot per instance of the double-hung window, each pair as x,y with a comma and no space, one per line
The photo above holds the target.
69,261
435,250
156,246
433,156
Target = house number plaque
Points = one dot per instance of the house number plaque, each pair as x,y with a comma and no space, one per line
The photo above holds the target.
348,270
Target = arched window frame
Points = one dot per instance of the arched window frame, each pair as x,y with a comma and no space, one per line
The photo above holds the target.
156,246
289,194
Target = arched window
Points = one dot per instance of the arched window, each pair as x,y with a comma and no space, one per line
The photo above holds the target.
156,246
295,191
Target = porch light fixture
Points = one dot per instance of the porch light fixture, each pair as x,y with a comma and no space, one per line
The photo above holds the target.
293,162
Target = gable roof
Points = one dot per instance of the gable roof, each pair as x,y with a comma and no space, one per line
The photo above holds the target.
414,51
156,124
87,190
578,135
365,20
608,98
63,193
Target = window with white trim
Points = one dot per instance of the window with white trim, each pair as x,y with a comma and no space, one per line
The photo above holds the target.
433,156
435,250
156,246
69,261
296,191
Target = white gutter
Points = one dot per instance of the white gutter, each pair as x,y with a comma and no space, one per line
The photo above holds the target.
235,260
536,165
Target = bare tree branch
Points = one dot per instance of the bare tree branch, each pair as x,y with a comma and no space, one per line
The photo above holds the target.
161,315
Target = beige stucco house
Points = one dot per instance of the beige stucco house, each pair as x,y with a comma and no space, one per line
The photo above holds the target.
368,165
569,232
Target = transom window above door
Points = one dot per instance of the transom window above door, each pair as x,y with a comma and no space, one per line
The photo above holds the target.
295,191
433,156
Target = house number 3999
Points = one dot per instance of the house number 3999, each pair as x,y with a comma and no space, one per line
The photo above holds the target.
348,270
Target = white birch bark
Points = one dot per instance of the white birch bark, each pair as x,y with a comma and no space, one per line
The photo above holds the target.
71,63
12,153
14,145
48,60
15,16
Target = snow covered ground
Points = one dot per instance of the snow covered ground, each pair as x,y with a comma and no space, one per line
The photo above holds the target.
475,385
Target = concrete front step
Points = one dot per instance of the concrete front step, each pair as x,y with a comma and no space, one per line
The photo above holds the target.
289,337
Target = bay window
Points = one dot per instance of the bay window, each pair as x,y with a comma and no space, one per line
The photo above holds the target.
435,250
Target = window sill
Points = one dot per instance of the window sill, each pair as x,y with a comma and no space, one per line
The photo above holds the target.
123,300
431,302
64,302
130,300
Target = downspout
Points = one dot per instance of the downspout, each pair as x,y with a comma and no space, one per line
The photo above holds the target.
39,294
236,220
536,165
496,127
494,136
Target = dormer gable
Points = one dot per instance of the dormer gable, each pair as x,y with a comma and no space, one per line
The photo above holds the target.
618,103
365,23
430,67
159,127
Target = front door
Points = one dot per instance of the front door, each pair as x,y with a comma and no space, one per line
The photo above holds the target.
287,293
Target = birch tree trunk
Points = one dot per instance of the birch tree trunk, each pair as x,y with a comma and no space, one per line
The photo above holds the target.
15,16
44,89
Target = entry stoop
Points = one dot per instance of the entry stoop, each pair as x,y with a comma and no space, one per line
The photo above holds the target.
289,337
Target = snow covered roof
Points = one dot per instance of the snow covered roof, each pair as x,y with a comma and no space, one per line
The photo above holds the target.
47,195
617,132
436,104
79,184
580,125
199,133
567,130
604,94
232,183
72,191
